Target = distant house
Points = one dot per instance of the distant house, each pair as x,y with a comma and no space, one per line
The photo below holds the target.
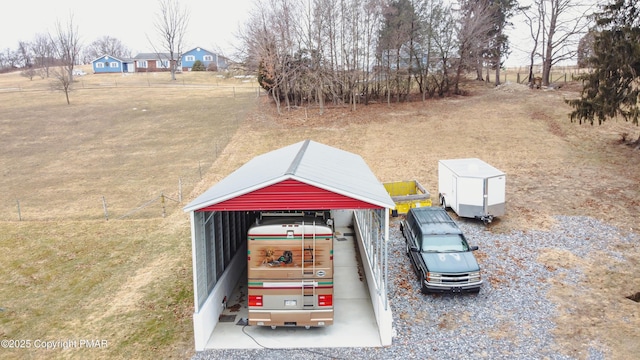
152,62
210,60
110,64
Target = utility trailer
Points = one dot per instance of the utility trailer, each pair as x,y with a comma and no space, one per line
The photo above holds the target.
407,195
472,188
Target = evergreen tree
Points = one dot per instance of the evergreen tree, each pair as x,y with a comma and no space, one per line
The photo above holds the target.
611,90
198,66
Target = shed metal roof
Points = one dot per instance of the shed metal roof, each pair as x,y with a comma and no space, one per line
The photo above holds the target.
305,175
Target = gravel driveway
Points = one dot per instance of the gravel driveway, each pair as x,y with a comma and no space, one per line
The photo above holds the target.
511,317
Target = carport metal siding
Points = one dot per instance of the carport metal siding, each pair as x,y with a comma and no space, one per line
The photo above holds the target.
221,235
290,195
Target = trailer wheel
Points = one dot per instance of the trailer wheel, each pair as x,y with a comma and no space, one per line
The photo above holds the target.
273,327
443,202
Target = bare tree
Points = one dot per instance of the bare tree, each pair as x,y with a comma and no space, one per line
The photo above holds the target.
24,49
10,59
444,47
262,50
67,49
561,23
43,54
171,23
106,45
532,19
396,44
350,51
475,24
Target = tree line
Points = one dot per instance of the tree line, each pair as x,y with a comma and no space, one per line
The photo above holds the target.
58,52
38,55
352,52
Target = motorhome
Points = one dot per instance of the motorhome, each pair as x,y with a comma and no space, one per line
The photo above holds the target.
290,270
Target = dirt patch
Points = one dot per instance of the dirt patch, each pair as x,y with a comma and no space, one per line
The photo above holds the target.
130,295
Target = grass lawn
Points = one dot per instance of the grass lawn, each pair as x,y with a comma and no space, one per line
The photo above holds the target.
69,274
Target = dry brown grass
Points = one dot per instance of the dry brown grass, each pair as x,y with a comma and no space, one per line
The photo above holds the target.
553,166
129,281
68,274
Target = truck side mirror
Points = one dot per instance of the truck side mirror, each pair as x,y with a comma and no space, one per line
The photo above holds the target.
473,248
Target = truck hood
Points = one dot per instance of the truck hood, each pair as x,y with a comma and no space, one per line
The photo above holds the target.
453,262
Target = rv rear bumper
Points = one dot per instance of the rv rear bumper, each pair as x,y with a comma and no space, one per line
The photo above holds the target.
291,318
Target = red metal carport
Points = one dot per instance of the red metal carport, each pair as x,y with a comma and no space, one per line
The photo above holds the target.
302,176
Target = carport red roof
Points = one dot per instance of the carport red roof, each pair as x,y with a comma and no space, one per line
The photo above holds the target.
303,176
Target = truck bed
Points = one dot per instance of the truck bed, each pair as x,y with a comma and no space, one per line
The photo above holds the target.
406,195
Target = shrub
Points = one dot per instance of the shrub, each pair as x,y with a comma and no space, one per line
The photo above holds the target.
198,66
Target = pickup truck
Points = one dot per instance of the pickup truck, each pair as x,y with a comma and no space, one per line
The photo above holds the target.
439,252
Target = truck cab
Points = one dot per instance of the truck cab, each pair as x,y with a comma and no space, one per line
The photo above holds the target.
439,252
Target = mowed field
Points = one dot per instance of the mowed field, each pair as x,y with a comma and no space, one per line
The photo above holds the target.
71,274
89,249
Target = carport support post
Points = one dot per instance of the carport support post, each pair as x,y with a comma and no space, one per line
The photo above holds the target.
386,257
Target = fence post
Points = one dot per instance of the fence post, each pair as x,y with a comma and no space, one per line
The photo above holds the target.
164,210
104,207
19,213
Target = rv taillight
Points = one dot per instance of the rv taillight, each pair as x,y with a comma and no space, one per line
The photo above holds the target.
255,300
325,300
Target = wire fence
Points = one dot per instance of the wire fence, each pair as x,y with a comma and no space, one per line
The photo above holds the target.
233,87
60,202
222,90
123,203
35,208
557,76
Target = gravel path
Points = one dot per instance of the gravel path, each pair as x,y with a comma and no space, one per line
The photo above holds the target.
511,317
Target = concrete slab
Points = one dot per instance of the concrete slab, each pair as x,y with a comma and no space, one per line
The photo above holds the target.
354,321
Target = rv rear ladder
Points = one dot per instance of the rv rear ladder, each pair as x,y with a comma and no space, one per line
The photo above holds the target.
308,286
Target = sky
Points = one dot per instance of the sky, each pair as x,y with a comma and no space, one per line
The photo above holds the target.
212,23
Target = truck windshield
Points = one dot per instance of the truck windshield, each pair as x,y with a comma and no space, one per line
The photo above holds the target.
444,243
